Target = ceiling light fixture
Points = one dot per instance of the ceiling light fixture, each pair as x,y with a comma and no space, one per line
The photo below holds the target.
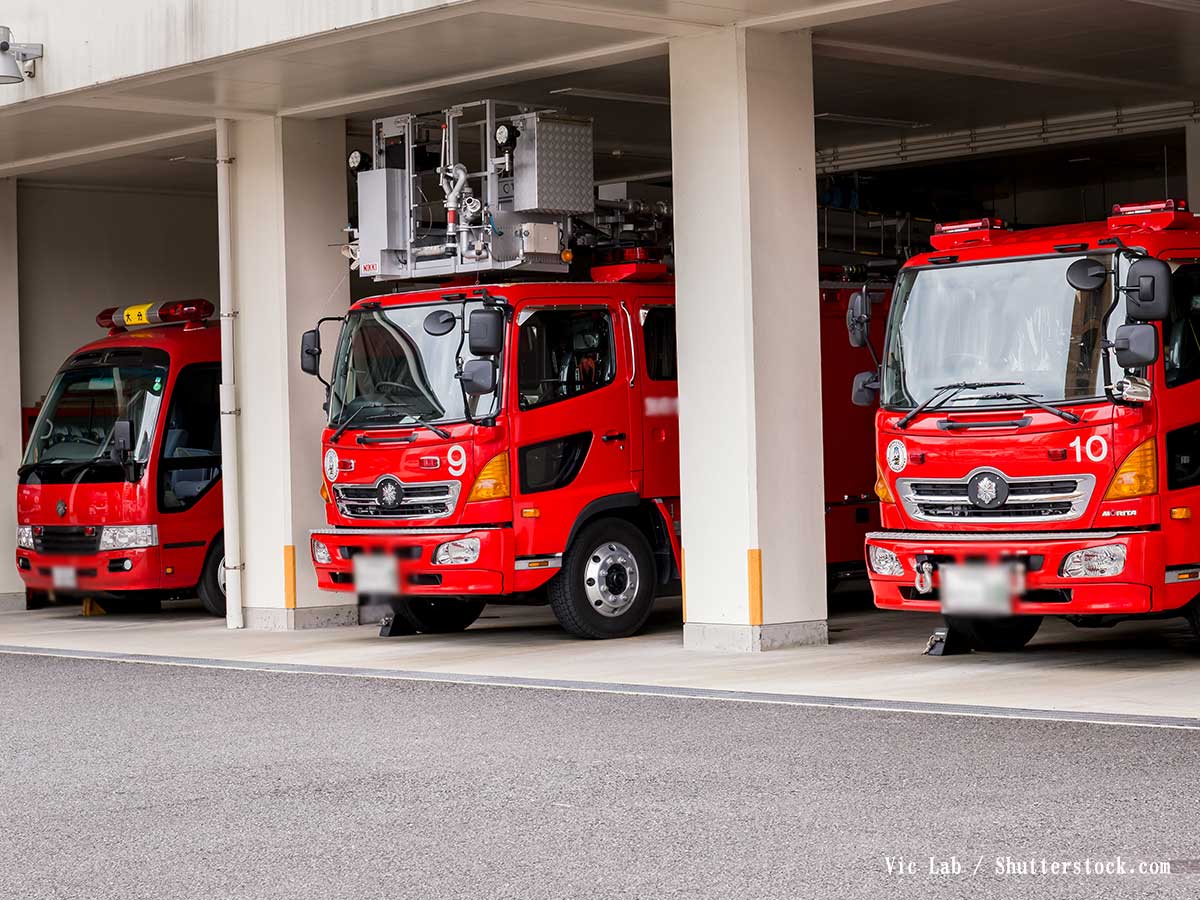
618,96
16,60
847,119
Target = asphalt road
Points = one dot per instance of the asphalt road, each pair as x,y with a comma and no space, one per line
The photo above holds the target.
127,780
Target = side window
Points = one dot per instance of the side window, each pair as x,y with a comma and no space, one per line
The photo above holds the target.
658,335
1181,332
190,461
563,353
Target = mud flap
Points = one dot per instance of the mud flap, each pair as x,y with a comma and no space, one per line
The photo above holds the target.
946,642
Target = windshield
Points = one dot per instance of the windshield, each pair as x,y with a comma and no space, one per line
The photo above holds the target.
386,358
1015,321
76,421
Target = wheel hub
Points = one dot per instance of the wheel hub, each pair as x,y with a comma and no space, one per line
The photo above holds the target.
611,579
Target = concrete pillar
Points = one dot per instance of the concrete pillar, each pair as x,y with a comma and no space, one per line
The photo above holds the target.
749,340
11,447
1191,133
288,188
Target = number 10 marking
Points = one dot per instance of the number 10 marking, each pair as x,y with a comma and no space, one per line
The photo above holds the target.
1096,448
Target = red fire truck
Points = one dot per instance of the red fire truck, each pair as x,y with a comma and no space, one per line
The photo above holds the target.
1038,439
119,493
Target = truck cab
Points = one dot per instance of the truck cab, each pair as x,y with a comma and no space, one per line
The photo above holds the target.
1037,433
119,491
511,443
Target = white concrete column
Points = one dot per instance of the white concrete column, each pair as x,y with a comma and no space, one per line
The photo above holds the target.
11,447
1191,133
749,340
289,206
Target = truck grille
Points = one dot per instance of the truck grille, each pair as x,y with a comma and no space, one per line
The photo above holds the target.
66,539
1052,499
417,500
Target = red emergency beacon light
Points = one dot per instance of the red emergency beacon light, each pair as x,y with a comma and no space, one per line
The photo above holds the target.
193,312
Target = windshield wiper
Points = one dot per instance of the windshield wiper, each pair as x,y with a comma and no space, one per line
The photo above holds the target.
944,394
349,420
1032,400
440,432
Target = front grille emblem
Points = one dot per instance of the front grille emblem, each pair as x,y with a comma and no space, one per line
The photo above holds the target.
390,493
987,490
61,508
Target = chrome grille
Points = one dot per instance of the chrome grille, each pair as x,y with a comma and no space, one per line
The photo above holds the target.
1053,498
418,500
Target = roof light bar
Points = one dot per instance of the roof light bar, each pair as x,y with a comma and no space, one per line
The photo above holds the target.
1130,209
985,224
121,317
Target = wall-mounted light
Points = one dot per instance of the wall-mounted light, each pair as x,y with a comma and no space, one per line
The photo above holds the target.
16,60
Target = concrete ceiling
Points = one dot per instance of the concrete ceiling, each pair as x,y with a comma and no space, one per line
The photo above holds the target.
942,65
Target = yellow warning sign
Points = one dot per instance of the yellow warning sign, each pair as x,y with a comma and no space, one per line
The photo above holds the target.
137,315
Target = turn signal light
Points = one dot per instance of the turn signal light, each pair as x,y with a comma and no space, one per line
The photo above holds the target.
492,482
1138,475
325,493
882,491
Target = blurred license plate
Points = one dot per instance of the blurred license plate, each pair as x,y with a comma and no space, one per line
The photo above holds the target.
64,578
979,590
376,573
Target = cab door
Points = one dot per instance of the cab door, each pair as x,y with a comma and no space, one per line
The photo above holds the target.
570,419
660,399
189,474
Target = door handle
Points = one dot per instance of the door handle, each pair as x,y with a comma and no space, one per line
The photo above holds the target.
613,436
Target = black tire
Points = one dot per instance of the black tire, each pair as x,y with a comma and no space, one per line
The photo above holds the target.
441,616
36,599
1005,634
600,543
212,583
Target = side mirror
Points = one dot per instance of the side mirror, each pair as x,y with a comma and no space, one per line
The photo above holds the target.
858,319
1148,290
479,377
865,390
487,333
1087,275
310,352
1136,346
121,443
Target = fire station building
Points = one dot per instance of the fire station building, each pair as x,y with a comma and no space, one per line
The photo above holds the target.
170,149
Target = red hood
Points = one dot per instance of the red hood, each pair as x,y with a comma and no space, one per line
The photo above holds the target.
83,504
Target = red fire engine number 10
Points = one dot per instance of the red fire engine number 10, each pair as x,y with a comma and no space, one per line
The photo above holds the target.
1096,448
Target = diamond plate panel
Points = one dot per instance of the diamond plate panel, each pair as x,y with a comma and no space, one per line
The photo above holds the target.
553,166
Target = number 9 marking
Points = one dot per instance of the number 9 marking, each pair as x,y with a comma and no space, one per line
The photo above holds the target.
456,460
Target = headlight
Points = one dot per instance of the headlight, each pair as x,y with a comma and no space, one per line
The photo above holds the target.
457,553
1095,562
25,537
128,537
884,562
321,553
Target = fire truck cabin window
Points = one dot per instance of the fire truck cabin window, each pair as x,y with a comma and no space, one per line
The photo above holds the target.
191,450
658,333
1181,332
564,353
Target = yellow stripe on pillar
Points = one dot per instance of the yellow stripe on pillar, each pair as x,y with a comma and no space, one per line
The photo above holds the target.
289,576
683,583
754,560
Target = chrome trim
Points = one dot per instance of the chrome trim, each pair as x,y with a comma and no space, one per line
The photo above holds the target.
552,562
1085,485
369,508
934,537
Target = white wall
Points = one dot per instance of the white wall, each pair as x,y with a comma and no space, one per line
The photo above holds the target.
82,250
10,433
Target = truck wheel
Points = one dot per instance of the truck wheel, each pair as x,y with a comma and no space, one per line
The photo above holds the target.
212,580
442,616
606,586
1000,635
36,599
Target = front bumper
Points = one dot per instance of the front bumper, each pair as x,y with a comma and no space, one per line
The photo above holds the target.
1137,589
414,548
101,572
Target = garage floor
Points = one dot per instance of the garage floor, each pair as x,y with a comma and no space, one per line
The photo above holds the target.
1135,670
